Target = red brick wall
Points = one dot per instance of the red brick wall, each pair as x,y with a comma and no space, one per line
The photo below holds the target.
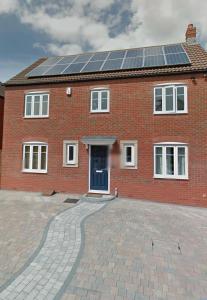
1,119
130,118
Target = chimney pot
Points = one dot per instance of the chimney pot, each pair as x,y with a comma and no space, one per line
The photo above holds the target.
190,34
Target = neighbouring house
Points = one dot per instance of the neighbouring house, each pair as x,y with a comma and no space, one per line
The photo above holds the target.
1,112
128,121
1,117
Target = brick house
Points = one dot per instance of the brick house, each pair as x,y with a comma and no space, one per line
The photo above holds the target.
127,121
1,112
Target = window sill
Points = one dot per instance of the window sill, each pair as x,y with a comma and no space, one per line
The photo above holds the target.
171,178
34,172
70,166
129,167
170,113
36,117
100,112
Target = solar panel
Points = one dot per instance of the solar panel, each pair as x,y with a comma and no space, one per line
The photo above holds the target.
154,61
74,68
99,56
117,54
158,56
93,66
177,59
112,64
134,52
83,58
173,49
51,61
39,71
133,63
67,59
57,69
153,51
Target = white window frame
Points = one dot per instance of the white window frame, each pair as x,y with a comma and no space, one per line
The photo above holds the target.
174,110
99,91
164,174
124,163
66,161
33,94
38,170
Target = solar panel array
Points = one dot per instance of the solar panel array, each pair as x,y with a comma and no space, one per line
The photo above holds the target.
159,56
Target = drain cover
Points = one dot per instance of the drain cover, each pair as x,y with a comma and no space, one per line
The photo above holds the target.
70,200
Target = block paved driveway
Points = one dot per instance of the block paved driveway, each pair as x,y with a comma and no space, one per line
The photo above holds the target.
118,261
129,249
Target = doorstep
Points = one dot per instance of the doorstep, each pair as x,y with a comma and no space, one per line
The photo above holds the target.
89,197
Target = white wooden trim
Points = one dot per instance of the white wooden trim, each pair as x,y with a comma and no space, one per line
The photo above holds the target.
100,110
174,111
31,145
72,161
171,143
164,174
67,143
169,83
134,164
36,92
32,95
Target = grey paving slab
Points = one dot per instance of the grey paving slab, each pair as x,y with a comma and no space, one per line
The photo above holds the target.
23,218
44,277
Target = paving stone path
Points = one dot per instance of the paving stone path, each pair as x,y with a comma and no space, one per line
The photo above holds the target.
45,275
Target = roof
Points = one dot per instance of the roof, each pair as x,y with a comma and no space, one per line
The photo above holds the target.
1,90
197,55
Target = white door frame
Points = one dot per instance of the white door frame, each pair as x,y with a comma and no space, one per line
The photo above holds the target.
109,172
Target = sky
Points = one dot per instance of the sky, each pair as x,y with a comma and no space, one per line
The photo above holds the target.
30,29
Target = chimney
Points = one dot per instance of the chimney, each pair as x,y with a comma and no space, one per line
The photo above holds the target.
190,34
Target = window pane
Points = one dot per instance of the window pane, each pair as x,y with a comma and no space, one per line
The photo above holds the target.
128,154
43,157
36,105
158,100
26,157
158,162
95,95
104,98
180,98
71,153
170,160
94,100
181,161
94,104
45,105
169,98
35,158
28,106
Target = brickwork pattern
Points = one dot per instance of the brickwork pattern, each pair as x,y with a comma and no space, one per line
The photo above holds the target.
130,118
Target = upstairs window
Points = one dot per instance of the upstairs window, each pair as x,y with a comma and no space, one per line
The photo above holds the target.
171,161
36,105
100,101
170,99
35,157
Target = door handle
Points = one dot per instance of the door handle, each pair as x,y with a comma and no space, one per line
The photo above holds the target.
99,171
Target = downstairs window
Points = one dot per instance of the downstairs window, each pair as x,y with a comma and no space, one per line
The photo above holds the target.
35,157
171,161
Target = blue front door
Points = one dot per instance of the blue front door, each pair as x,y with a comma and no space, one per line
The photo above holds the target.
99,168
